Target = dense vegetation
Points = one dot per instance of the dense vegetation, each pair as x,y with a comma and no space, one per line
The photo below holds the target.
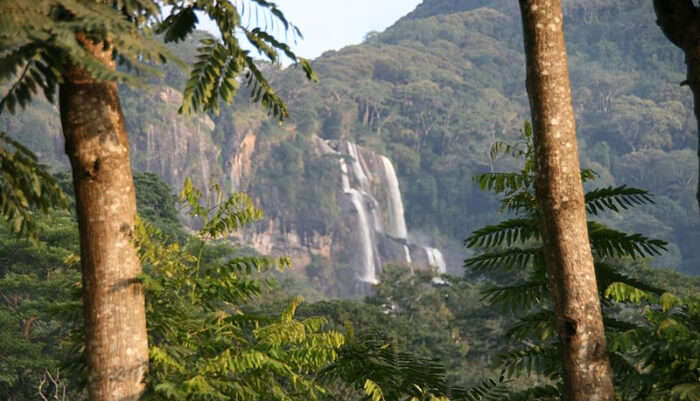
439,87
446,325
435,92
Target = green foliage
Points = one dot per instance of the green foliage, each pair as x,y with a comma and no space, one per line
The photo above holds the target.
653,358
202,344
40,40
196,293
37,285
614,199
156,204
372,364
26,188
664,345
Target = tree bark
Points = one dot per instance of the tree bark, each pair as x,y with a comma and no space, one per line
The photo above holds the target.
570,270
679,20
114,305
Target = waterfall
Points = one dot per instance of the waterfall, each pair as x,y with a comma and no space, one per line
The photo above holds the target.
357,198
397,226
370,275
442,267
378,226
436,259
431,257
344,176
357,169
371,184
408,254
149,147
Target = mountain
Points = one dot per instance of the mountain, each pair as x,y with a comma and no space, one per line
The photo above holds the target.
430,95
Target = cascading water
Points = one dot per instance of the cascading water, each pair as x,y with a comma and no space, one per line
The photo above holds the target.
358,171
397,222
440,260
370,273
380,227
431,257
436,259
345,179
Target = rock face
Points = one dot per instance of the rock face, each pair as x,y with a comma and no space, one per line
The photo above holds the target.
162,141
360,226
370,229
174,146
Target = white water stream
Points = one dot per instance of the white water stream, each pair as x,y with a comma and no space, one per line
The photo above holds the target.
370,272
436,259
397,226
356,183
345,179
357,169
408,254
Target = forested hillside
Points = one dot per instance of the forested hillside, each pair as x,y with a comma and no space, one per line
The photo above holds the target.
433,93
438,88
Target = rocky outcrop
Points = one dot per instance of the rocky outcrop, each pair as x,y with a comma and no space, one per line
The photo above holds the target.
364,230
162,141
368,231
174,146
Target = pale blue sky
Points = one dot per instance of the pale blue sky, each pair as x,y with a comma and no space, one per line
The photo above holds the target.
333,24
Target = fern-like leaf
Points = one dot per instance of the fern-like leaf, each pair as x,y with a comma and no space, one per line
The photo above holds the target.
508,259
687,392
486,390
615,199
607,242
545,392
541,360
520,296
538,325
25,187
504,234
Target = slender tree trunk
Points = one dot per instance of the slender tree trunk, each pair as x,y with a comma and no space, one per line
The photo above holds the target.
680,22
587,372
114,307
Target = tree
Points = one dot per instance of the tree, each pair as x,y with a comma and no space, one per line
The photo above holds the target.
515,247
74,46
679,20
560,199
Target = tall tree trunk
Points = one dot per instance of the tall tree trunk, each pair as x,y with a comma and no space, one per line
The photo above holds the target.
680,22
114,307
573,287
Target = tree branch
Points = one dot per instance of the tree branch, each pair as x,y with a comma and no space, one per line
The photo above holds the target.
14,86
